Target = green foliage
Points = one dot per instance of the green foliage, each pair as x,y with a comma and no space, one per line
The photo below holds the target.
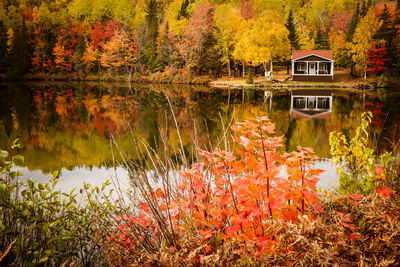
149,39
183,11
293,37
357,161
321,40
3,48
80,50
249,79
353,23
388,32
50,227
19,51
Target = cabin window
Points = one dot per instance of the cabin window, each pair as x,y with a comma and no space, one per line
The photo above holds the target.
323,68
299,102
301,66
323,103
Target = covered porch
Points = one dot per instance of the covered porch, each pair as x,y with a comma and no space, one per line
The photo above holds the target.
312,68
312,65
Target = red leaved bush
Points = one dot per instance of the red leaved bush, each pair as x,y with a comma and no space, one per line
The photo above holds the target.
234,196
253,206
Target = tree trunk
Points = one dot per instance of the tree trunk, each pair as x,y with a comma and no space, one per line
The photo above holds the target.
352,70
271,70
265,69
229,66
244,70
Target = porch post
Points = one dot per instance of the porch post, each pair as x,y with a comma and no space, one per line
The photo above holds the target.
307,68
317,67
332,69
292,68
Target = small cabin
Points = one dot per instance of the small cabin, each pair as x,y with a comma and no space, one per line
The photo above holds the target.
311,104
312,65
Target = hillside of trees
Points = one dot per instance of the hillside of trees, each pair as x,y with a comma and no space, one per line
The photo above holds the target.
193,37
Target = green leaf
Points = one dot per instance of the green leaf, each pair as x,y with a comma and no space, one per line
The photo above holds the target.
54,174
45,258
3,154
16,144
19,157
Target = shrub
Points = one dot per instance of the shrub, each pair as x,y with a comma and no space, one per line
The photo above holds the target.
249,79
226,197
48,227
360,169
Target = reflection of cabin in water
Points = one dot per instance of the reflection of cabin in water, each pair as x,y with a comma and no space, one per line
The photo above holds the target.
311,104
312,65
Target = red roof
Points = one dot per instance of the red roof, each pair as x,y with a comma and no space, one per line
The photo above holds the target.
304,53
299,115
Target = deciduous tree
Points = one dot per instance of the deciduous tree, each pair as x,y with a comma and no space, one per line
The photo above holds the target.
263,40
363,39
227,21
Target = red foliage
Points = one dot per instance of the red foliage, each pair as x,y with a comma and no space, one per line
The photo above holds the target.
384,191
200,23
391,6
97,35
110,29
376,59
234,196
247,9
101,34
378,113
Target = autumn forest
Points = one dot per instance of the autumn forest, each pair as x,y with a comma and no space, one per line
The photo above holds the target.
180,38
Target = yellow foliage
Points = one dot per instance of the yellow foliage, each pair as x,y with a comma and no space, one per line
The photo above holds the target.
363,38
227,23
10,36
119,51
262,38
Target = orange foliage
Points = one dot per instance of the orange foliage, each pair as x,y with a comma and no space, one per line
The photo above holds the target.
234,196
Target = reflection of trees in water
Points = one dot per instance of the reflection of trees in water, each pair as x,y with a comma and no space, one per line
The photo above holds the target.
63,127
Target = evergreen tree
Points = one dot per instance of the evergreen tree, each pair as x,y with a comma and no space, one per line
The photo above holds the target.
209,62
293,37
388,32
168,53
370,3
3,48
321,40
19,54
364,9
80,50
148,41
183,11
164,47
353,23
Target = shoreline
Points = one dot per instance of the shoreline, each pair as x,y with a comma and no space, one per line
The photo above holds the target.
289,85
200,80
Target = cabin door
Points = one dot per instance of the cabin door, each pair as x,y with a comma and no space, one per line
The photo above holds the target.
312,68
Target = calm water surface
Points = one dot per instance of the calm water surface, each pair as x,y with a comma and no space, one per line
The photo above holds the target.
66,126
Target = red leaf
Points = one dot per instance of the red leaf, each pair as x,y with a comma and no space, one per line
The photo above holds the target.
384,191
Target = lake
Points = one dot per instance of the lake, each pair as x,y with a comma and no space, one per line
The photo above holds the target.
67,126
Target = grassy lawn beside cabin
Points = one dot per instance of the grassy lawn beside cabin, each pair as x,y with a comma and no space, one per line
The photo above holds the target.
342,78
